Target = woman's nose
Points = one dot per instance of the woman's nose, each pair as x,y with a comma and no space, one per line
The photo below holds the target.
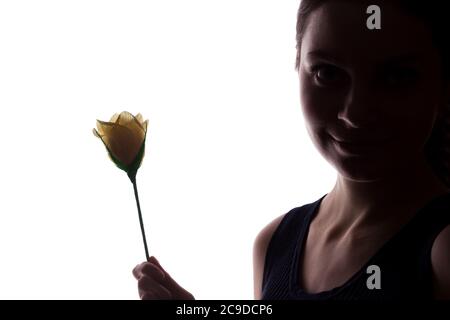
359,108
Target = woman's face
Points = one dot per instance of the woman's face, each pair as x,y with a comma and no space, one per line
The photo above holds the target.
370,97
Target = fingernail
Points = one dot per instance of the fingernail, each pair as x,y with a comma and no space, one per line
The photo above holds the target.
163,275
153,258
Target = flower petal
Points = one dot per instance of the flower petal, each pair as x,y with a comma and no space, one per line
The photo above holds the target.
128,120
121,142
100,126
139,118
96,133
125,118
114,117
145,125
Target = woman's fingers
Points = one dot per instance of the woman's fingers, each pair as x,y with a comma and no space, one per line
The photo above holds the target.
151,270
177,291
136,272
155,283
149,289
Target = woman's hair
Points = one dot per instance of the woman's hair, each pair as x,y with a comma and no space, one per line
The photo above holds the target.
435,14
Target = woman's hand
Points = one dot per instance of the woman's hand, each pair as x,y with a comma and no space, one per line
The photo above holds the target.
154,283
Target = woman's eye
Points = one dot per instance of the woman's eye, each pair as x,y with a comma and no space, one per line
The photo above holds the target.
400,76
326,74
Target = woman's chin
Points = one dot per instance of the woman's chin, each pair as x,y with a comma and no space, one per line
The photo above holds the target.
364,170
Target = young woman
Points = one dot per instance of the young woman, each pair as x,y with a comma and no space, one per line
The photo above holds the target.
375,103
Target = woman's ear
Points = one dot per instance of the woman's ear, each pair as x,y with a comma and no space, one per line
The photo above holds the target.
448,94
447,104
444,109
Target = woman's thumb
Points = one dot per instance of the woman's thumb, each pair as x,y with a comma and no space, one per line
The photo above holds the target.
158,265
152,259
171,284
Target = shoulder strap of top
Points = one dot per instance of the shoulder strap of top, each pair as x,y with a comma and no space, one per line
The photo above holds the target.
283,243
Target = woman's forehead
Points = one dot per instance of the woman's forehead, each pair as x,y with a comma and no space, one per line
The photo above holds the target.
340,28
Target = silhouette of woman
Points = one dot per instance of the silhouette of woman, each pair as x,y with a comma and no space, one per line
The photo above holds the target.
376,106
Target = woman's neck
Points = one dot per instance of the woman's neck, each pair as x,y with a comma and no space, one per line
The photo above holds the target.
353,205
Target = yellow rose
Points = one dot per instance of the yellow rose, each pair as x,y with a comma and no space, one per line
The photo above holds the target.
124,138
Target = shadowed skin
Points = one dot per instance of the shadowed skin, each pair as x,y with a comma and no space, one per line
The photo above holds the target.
382,91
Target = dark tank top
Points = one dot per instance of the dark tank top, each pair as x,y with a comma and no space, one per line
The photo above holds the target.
404,261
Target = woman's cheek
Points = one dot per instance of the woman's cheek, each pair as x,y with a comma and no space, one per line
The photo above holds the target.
320,113
319,106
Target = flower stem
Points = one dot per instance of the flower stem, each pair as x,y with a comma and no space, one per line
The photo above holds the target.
133,180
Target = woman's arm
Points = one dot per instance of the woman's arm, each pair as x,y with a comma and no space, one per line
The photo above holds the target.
440,261
259,254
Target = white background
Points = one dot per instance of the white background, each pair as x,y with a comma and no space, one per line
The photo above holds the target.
226,150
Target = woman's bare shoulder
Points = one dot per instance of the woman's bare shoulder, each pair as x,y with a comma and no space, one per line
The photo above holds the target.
265,234
259,253
440,261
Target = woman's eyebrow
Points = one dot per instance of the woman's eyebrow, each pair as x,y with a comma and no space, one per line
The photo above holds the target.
320,54
392,60
408,58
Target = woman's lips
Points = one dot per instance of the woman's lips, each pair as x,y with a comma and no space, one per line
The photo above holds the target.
359,147
361,143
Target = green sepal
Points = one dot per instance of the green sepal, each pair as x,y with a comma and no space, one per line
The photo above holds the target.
133,167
